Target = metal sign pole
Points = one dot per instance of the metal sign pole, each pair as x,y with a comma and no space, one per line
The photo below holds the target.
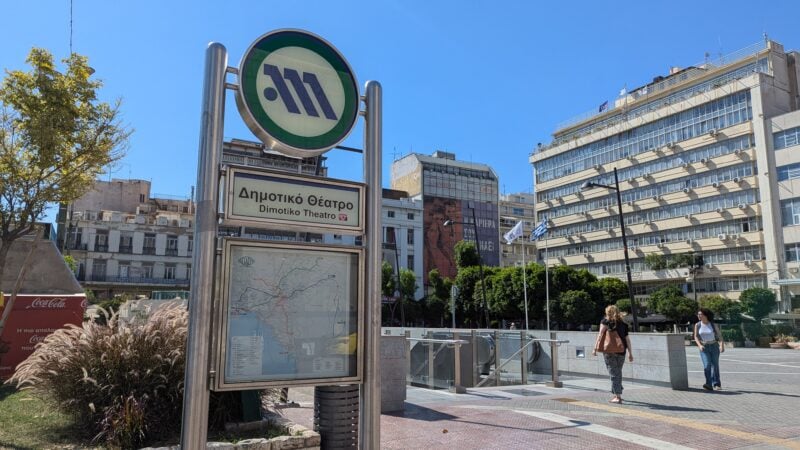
196,390
370,411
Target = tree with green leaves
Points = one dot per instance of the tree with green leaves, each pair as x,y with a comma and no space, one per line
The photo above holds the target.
757,302
612,290
466,254
655,261
575,307
723,308
437,305
388,280
671,302
56,138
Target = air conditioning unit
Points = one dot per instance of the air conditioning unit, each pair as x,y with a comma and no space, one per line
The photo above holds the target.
656,198
686,190
713,132
587,255
629,203
794,270
742,206
688,216
607,208
660,245
738,151
733,237
689,241
686,165
709,265
630,180
704,160
647,175
647,222
715,184
737,180
597,167
630,157
722,237
671,145
720,210
748,262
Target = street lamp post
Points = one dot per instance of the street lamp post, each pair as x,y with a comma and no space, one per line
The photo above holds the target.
448,223
588,185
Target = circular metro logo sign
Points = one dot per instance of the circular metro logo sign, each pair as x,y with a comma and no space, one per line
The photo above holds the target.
297,93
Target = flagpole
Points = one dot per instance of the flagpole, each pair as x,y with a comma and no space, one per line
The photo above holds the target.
524,279
546,285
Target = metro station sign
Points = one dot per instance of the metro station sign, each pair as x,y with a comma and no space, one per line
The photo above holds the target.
297,93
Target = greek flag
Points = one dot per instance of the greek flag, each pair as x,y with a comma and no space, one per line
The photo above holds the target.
514,233
539,231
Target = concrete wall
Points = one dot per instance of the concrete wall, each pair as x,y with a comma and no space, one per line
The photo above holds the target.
658,358
394,367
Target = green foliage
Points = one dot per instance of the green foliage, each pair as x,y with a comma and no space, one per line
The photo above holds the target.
388,280
624,305
71,263
466,254
441,286
576,307
680,260
55,139
670,302
122,385
732,335
757,302
611,290
408,284
655,261
723,308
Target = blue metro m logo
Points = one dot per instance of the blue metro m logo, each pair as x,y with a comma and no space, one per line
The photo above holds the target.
281,90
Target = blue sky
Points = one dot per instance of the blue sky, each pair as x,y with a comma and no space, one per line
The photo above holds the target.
485,80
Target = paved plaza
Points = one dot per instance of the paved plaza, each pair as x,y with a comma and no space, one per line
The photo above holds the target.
758,408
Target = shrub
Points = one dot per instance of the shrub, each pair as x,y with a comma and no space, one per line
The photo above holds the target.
732,335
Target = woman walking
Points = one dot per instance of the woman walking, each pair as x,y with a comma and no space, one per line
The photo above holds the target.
613,341
709,341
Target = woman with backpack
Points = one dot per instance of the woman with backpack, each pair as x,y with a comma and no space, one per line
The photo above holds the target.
709,340
613,341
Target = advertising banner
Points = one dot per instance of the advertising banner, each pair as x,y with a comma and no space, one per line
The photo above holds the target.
33,318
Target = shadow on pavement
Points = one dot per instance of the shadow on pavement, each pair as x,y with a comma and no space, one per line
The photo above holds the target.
739,391
416,412
658,407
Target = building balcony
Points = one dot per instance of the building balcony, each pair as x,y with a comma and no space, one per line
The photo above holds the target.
171,252
126,249
148,250
134,280
101,247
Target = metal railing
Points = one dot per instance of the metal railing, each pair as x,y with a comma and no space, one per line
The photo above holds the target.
554,343
455,344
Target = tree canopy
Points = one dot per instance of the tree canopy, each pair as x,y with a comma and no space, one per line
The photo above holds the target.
56,137
757,302
671,302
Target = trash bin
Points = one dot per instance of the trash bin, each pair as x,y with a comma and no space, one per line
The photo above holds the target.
336,415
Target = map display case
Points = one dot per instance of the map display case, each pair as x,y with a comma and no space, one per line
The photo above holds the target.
289,314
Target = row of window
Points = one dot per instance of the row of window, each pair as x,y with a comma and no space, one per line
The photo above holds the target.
729,229
391,214
727,284
723,201
707,152
786,138
128,271
762,65
654,191
714,115
101,243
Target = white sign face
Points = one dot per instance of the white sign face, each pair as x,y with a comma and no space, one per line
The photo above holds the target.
297,93
301,60
294,200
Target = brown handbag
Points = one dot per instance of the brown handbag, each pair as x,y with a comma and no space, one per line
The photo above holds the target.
609,342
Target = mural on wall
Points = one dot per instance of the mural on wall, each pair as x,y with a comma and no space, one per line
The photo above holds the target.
440,240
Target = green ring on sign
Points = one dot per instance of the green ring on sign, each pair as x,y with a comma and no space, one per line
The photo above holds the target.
248,72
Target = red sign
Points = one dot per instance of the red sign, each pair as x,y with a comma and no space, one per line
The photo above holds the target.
33,318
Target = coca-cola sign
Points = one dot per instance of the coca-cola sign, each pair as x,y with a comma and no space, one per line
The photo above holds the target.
35,339
47,303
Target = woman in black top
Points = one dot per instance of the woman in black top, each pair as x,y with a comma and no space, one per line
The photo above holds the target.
614,361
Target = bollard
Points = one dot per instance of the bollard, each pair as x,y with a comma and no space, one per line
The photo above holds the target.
496,357
523,366
431,383
457,388
554,358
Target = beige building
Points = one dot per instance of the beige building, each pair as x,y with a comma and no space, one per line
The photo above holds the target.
513,208
700,177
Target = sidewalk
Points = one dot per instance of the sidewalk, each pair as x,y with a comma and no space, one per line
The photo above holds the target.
757,410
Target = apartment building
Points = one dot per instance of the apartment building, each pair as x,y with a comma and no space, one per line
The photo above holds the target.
702,157
402,234
126,241
459,201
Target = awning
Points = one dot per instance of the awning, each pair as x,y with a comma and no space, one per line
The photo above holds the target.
787,282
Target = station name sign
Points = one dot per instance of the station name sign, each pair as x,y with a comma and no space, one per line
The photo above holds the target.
293,201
